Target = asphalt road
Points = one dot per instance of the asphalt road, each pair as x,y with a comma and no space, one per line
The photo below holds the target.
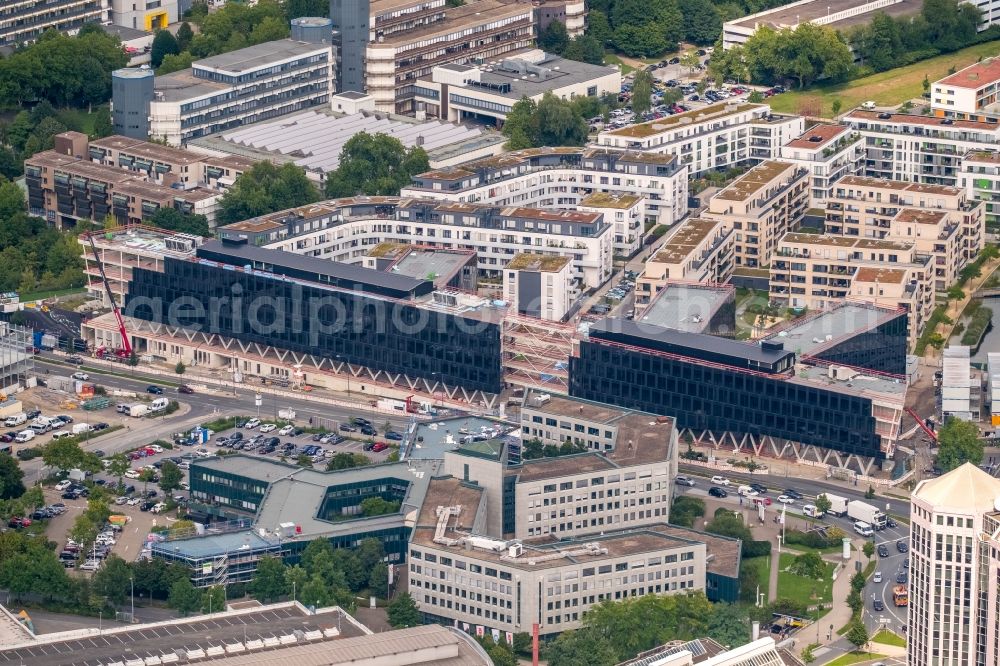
894,618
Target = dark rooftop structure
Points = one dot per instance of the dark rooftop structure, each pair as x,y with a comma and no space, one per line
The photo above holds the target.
314,269
693,308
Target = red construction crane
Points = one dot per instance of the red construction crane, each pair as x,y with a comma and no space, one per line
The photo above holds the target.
126,345
921,423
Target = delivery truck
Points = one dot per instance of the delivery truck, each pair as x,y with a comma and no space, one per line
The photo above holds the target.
859,510
838,504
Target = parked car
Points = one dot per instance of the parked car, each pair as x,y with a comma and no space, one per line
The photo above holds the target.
368,430
251,424
268,427
716,491
393,435
100,426
346,427
380,446
287,430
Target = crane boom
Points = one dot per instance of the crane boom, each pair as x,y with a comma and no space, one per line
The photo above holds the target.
126,345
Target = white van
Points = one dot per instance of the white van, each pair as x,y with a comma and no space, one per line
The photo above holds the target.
747,491
158,405
15,420
81,428
61,434
811,511
24,436
863,528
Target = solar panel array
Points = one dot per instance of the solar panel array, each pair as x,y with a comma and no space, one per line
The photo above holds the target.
695,647
316,139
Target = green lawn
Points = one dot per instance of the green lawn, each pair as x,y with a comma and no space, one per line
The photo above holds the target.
885,88
886,637
854,658
78,119
612,59
52,293
804,590
763,566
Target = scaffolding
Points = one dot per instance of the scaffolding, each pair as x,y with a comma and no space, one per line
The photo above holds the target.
17,359
536,352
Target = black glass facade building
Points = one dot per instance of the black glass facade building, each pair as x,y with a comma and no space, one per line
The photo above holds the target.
882,348
706,384
276,305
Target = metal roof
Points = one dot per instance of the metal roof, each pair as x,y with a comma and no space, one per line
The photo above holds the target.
258,55
315,139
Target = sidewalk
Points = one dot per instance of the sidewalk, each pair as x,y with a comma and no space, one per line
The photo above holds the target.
840,612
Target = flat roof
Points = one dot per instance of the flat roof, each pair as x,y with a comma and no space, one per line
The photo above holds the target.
431,264
922,216
974,76
990,156
183,85
140,239
80,167
147,149
845,241
754,180
685,307
124,644
622,200
724,552
682,342
124,33
528,77
927,121
686,239
881,275
818,331
708,113
544,263
818,136
803,12
547,215
547,468
902,185
456,18
431,440
258,55
239,254
315,139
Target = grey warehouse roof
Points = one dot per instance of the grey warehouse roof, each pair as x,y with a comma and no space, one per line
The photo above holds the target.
315,139
551,73
258,55
829,327
685,307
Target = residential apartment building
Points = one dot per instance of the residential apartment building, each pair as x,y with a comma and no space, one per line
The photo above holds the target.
699,250
408,48
979,175
148,15
941,221
719,136
818,272
954,569
561,178
344,230
829,152
224,91
24,21
626,212
968,94
65,189
488,92
760,207
541,286
457,574
920,149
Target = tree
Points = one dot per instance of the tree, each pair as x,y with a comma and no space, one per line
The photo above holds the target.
299,8
730,625
164,43
756,97
685,510
266,188
113,580
809,564
854,601
378,582
858,581
519,127
823,504
170,476
926,83
702,22
185,34
835,106
184,597
558,124
402,612
11,476
868,549
303,460
315,593
213,599
375,164
271,29
62,454
959,444
857,634
598,27
376,506
642,91
174,220
585,48
554,38
102,123
582,646
118,466
345,460
175,63
269,581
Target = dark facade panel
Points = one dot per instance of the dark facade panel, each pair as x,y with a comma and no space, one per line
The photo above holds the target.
882,349
705,397
382,335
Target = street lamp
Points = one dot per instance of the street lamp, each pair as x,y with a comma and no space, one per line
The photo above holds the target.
131,581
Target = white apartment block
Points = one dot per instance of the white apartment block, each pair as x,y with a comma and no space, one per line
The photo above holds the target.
147,15
979,175
720,136
920,149
476,32
954,569
225,91
761,206
538,285
24,21
699,250
627,212
488,92
829,152
941,221
561,178
346,229
457,574
819,272
969,94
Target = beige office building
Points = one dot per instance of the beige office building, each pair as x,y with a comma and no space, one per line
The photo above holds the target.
700,250
761,206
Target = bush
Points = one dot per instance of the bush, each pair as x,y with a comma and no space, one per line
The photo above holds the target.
172,407
808,539
756,549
